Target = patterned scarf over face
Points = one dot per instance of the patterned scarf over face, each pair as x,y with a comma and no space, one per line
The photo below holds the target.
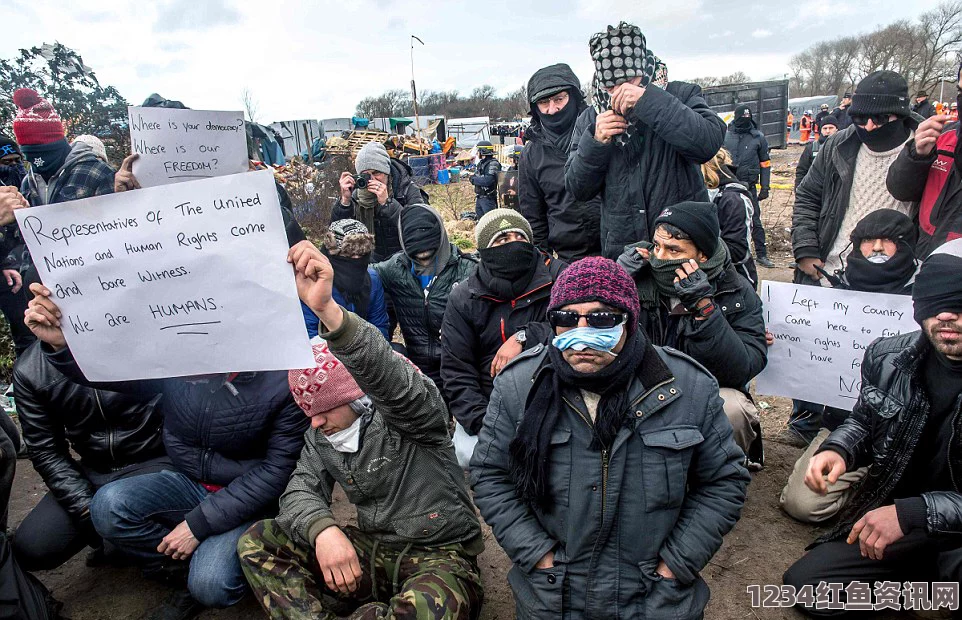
621,54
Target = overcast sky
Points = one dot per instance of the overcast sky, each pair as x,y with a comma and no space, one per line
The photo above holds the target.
318,59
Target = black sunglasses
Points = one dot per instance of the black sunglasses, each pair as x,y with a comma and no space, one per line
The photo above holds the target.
862,119
598,320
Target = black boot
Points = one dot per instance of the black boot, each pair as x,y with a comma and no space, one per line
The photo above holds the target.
179,606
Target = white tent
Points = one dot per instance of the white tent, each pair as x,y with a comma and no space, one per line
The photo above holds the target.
293,135
469,131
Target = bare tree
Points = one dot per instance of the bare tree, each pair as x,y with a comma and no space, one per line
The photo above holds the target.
250,104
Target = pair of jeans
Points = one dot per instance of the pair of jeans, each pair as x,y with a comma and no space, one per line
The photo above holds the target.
135,514
33,545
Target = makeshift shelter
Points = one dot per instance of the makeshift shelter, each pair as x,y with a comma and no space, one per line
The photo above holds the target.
263,144
297,136
469,131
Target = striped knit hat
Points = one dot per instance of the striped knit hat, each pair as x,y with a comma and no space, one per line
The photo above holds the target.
36,121
497,222
597,279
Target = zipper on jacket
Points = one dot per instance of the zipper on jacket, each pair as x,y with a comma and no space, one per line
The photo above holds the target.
110,430
604,481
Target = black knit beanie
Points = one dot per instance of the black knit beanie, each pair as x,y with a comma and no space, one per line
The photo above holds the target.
938,287
881,92
8,146
420,231
698,219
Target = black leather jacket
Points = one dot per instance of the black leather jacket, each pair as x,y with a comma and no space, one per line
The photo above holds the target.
106,429
884,430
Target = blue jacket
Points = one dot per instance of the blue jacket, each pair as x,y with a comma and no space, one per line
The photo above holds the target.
376,308
245,435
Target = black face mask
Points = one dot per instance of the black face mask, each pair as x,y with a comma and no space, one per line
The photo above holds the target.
743,123
46,159
886,137
353,281
563,120
507,269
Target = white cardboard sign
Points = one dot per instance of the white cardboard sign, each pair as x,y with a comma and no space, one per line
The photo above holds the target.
187,279
820,339
183,145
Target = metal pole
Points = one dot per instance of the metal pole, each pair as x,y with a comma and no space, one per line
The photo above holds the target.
414,96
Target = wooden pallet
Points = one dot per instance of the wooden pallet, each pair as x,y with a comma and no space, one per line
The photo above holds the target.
356,140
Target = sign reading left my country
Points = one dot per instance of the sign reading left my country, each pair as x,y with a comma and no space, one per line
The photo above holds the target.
182,145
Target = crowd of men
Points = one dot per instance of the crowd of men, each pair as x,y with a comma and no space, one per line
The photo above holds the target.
582,379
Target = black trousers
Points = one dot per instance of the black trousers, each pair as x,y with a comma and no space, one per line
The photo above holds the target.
916,557
37,549
9,443
758,231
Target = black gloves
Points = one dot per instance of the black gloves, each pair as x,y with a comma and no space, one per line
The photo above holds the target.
693,289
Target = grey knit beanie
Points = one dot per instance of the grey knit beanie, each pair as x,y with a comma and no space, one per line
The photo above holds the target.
373,156
497,222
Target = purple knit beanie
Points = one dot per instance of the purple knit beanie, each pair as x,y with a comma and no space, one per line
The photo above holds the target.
597,279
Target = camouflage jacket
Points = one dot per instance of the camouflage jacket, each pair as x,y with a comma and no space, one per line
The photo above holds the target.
404,479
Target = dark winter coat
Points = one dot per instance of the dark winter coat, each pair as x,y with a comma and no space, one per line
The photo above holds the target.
883,433
734,206
749,151
675,132
477,322
670,488
841,115
805,160
421,313
560,223
107,430
924,109
404,192
244,435
730,343
934,182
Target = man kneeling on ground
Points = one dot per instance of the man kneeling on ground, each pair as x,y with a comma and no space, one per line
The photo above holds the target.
378,429
605,465
903,522
694,301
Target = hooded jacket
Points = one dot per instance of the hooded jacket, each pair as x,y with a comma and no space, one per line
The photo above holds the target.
669,489
935,182
735,207
559,221
749,151
384,221
404,479
476,323
420,312
675,132
82,175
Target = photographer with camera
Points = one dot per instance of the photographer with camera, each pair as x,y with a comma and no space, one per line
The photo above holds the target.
376,195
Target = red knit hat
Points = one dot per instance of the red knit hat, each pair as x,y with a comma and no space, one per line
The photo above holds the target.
36,121
327,387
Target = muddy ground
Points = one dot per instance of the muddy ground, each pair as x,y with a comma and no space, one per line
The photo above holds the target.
762,545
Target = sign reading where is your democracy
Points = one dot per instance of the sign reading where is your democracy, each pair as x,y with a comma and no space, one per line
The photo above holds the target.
182,145
820,339
186,279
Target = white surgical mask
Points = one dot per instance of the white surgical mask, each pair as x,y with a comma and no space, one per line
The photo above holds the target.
347,440
878,259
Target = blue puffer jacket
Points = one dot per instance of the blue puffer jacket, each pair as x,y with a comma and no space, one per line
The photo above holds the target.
244,435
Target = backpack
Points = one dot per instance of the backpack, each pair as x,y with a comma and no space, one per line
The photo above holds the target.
22,596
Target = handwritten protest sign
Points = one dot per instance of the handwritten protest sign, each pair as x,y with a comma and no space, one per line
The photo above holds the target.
820,338
181,280
182,145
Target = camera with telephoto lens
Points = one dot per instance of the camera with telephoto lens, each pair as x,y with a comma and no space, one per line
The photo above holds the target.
361,180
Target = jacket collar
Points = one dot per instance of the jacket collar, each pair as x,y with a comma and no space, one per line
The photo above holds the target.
909,360
542,278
